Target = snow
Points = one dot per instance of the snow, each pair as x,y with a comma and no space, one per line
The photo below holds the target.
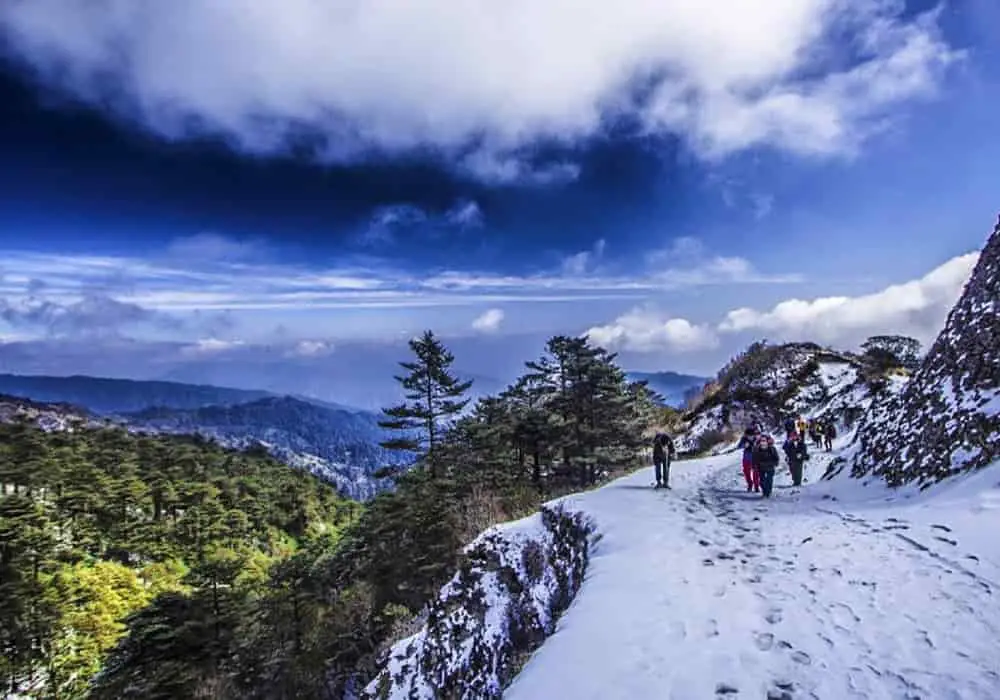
837,589
517,580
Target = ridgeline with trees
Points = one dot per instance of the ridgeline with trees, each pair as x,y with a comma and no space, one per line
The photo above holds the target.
165,567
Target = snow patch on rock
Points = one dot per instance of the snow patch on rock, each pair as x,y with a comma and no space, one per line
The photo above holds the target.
947,418
515,581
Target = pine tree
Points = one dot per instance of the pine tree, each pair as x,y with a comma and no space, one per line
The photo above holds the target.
434,397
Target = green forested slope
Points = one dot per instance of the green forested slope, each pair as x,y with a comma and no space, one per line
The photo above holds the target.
95,524
242,578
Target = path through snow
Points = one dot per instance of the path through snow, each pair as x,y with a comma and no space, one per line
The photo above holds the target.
708,591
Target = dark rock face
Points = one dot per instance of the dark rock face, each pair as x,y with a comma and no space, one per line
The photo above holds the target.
498,609
947,419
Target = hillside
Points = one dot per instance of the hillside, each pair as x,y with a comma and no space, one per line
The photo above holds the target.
339,445
768,383
947,419
104,395
95,524
673,387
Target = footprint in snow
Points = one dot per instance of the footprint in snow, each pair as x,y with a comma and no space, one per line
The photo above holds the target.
782,690
953,543
926,638
800,657
726,689
774,616
941,527
763,641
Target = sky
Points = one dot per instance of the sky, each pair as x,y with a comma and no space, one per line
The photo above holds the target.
281,193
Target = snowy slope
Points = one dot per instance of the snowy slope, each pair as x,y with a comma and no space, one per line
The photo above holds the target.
813,384
947,420
833,590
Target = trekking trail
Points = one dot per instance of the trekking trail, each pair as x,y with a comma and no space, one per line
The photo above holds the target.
832,590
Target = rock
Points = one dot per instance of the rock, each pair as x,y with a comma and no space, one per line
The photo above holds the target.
946,420
498,609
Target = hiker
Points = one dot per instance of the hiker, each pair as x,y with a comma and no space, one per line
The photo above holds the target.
749,473
663,452
765,461
829,433
796,454
789,426
801,426
816,433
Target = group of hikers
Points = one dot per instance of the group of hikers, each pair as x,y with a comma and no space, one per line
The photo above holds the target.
822,432
760,453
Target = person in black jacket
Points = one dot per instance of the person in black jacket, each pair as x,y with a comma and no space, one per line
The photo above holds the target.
766,460
796,454
829,433
663,451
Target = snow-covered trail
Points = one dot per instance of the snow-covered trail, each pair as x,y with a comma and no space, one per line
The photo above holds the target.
708,591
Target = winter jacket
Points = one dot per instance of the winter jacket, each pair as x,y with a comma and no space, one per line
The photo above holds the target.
795,451
766,457
662,444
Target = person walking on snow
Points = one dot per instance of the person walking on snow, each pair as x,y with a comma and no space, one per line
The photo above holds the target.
663,452
829,433
766,460
789,426
749,472
816,433
801,427
796,454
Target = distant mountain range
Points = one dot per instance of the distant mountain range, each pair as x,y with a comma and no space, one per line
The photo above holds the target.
671,385
109,396
337,443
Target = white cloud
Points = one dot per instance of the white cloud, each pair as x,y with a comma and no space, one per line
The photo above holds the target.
465,214
585,261
916,308
310,348
180,286
210,346
645,330
482,85
489,321
386,221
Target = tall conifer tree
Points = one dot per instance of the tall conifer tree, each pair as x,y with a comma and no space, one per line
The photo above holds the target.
434,396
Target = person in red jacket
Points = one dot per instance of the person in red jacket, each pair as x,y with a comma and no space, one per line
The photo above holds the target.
751,475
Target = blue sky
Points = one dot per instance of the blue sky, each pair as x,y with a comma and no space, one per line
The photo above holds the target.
183,183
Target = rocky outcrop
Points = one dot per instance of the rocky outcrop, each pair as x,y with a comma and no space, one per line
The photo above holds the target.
946,420
514,583
767,384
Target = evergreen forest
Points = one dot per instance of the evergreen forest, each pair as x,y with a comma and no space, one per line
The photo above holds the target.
145,566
